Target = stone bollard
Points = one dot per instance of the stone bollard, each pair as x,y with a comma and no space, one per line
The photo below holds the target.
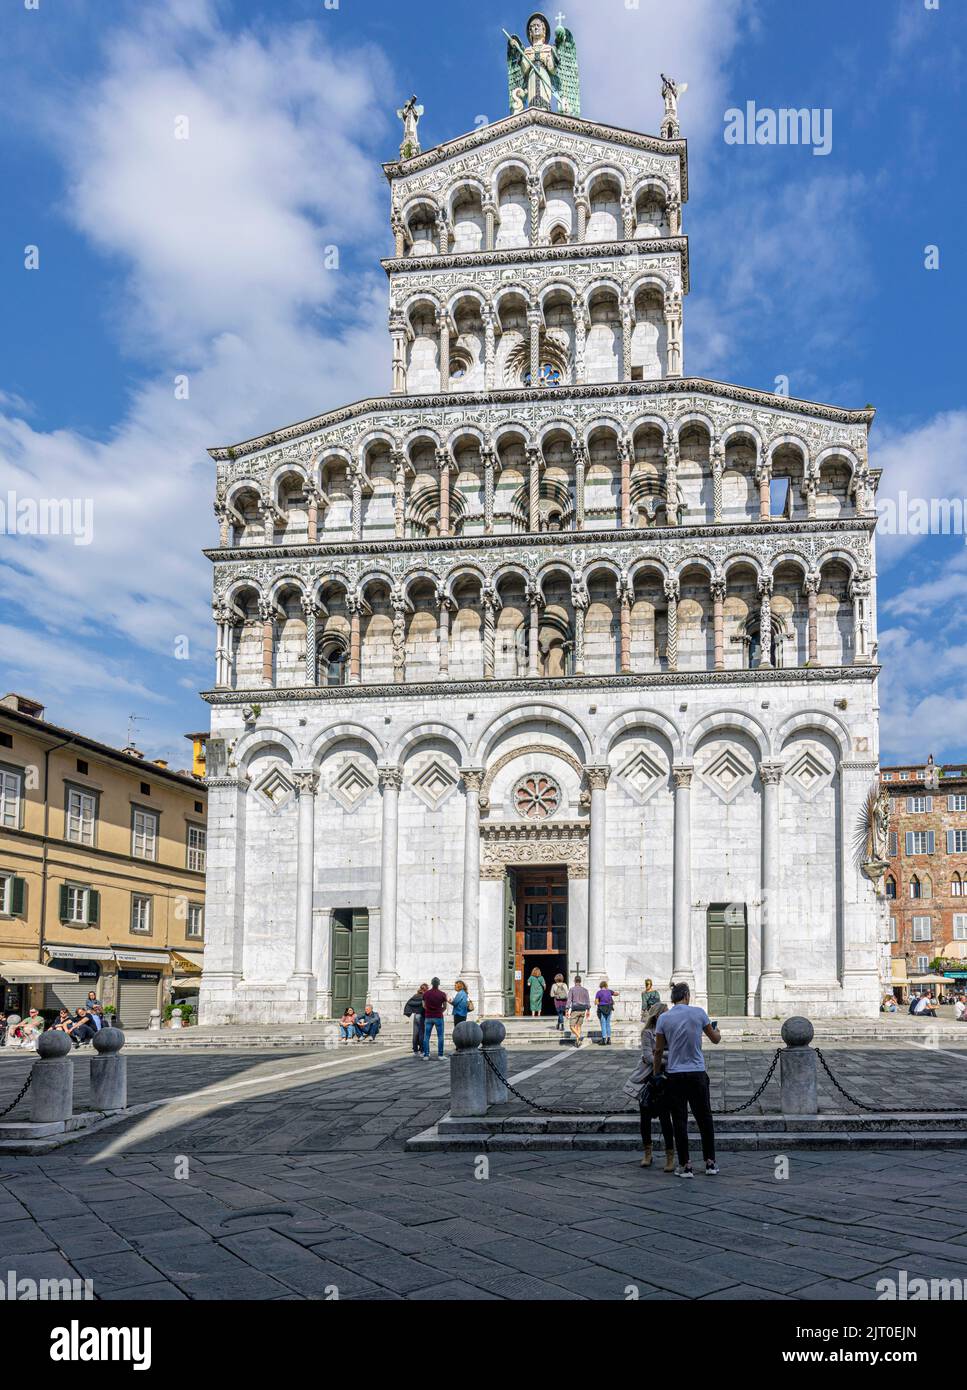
468,1081
175,1019
154,1021
109,1071
494,1033
52,1080
797,1069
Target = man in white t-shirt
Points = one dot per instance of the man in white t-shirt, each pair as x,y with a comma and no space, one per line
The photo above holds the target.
678,1049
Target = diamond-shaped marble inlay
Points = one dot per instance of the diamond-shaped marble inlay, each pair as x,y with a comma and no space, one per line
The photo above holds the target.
808,774
434,783
275,788
728,773
352,784
642,774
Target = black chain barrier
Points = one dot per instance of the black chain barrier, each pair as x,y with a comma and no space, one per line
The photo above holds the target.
727,1110
23,1091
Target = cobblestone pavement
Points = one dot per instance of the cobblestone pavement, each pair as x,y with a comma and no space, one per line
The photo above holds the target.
293,1185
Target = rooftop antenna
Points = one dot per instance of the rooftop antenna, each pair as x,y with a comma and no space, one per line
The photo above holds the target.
132,731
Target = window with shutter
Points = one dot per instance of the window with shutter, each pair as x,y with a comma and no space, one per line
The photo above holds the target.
957,802
65,904
18,896
144,835
931,842
960,926
11,784
957,841
922,929
93,907
908,842
893,847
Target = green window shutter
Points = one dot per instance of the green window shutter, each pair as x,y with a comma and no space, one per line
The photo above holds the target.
93,906
18,891
64,909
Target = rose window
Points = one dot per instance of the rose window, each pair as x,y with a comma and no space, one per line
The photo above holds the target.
537,797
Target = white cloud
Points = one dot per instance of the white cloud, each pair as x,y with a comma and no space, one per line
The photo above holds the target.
925,461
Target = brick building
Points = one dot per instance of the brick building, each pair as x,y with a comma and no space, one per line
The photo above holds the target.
927,880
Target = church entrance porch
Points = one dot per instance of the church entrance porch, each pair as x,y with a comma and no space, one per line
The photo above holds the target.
540,932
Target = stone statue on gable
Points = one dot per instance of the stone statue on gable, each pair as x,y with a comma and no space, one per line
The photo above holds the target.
410,116
541,72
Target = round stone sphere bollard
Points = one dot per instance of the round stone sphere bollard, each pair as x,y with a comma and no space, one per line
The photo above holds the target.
109,1071
797,1069
494,1033
154,1021
468,1079
175,1021
52,1080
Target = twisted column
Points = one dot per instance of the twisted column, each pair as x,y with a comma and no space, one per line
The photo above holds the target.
628,217
489,599
580,470
580,602
357,504
627,323
534,191
487,456
399,494
672,592
490,346
534,461
443,325
718,468
447,606
583,207
534,321
671,480
443,232
398,604
490,222
311,610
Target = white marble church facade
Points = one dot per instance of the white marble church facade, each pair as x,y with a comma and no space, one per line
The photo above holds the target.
549,608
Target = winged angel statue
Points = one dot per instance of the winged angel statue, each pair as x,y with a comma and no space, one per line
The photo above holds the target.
543,71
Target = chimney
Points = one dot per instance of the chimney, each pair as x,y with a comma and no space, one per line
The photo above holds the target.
160,762
132,752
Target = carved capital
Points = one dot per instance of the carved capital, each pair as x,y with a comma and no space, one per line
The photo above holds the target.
771,773
673,590
597,775
682,777
765,585
717,588
306,781
472,778
390,778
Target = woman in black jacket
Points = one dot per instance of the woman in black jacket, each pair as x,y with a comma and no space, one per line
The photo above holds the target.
413,1008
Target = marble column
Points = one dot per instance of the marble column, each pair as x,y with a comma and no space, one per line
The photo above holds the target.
489,600
765,620
672,594
583,208
810,489
534,461
859,591
399,495
673,326
580,602
674,211
811,586
397,326
765,492
718,622
220,615
311,610
357,504
312,515
770,981
718,468
580,345
443,233
354,604
534,192
399,234
625,452
398,605
268,524
535,320
580,471
625,601
443,463
671,480
224,527
534,599
627,326
487,457
305,785
490,220
443,633
267,619
390,782
470,941
629,219
443,326
490,346
682,968
597,920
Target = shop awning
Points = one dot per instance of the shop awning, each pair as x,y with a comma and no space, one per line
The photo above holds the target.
928,979
193,960
191,983
29,972
898,967
78,952
140,957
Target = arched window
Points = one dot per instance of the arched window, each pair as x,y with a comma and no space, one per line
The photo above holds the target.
890,886
926,887
916,888
334,663
956,886
559,236
550,375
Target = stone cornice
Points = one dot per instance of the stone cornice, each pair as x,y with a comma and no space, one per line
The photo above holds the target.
534,116
461,400
542,255
734,533
531,685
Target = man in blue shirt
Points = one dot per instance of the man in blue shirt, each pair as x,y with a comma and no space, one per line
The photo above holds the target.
678,1049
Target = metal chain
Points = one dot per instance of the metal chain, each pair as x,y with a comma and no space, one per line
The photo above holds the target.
894,1109
544,1109
23,1091
736,1110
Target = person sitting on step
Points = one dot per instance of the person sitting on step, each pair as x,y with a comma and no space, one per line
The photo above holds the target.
368,1023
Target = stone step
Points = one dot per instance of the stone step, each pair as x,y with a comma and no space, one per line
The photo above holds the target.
627,1123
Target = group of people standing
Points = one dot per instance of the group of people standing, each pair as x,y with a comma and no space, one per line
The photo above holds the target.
427,1008
572,1004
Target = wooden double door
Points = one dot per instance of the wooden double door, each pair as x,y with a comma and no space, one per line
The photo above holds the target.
350,959
727,960
538,932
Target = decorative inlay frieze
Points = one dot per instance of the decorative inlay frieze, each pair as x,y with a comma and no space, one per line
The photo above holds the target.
642,774
275,788
352,783
434,782
505,845
728,772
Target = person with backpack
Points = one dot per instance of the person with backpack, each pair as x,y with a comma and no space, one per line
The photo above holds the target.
678,1053
559,1000
578,1004
604,1000
651,1093
413,1008
461,1003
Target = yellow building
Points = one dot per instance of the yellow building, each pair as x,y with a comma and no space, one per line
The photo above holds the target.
102,871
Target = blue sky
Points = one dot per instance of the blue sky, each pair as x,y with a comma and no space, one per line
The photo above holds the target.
161,258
